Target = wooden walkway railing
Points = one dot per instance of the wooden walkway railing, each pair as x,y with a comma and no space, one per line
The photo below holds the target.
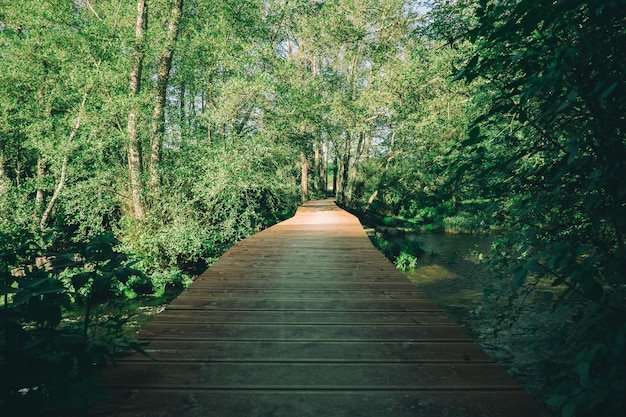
308,319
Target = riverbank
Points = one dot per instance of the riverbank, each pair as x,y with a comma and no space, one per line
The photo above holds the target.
470,294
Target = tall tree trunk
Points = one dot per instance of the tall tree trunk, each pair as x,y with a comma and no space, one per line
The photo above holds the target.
182,115
61,183
317,165
335,170
371,200
39,195
304,179
325,165
163,74
134,142
342,182
351,187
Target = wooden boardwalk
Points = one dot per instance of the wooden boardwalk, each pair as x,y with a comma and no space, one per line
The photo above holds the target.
308,319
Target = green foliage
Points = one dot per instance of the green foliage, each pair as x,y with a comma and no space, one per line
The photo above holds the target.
414,175
211,199
52,336
406,262
597,367
404,253
549,152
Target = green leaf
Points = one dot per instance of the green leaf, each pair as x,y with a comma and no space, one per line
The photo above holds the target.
101,248
460,74
64,261
582,369
138,347
124,274
80,280
472,62
568,410
101,287
7,289
22,296
519,278
462,169
591,288
607,91
532,265
474,137
557,400
50,286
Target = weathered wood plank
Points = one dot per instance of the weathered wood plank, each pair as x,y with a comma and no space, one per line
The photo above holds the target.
309,294
298,332
172,316
312,351
318,376
338,305
310,403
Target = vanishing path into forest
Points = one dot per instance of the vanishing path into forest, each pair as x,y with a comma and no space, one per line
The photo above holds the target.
308,319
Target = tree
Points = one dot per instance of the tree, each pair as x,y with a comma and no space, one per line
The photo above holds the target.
553,142
135,166
163,74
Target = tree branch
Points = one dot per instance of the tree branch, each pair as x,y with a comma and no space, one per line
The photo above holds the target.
61,184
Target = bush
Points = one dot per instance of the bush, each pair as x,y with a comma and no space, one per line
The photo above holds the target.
54,334
404,253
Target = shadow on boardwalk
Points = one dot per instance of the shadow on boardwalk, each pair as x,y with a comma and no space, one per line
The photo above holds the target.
305,319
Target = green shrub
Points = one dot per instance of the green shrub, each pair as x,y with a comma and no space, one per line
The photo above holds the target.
406,262
55,331
404,253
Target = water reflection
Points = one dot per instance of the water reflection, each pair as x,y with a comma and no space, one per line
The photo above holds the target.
450,245
450,274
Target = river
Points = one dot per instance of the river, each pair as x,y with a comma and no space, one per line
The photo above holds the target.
448,246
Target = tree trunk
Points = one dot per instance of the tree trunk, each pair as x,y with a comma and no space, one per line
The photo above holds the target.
304,179
342,182
134,142
325,165
182,115
355,168
317,166
39,195
335,170
163,74
371,200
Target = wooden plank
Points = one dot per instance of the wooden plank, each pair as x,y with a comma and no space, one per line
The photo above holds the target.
309,294
310,403
317,376
312,351
305,285
336,305
299,332
172,316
